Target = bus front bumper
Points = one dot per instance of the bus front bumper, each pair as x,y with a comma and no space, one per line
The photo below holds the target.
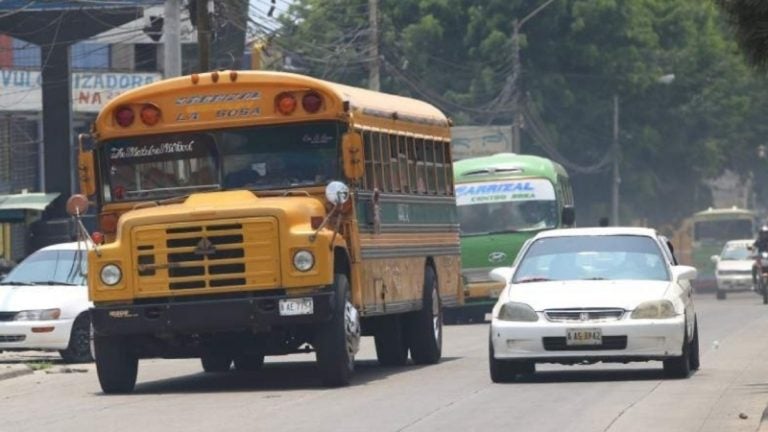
209,315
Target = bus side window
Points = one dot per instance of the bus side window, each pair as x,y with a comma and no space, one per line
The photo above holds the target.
369,178
440,167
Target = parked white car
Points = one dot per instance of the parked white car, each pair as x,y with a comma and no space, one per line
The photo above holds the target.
44,304
734,267
591,295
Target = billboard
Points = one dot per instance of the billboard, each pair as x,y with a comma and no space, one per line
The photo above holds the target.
20,90
474,141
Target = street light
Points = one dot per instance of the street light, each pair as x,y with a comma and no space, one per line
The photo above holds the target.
616,150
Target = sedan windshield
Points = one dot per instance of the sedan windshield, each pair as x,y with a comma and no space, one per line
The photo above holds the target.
735,252
616,257
50,267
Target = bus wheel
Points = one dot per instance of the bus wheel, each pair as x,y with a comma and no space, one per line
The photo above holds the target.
391,348
215,362
249,362
116,366
425,327
337,341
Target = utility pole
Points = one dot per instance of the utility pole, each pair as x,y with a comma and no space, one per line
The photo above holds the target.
171,41
373,19
203,36
517,118
616,150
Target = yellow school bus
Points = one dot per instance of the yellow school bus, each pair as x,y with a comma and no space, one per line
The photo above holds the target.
245,214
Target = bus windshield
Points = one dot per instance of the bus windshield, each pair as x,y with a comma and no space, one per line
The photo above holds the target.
506,206
269,157
722,230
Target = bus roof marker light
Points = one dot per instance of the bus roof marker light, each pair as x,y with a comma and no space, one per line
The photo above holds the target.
312,102
124,116
286,103
215,76
195,78
150,115
233,76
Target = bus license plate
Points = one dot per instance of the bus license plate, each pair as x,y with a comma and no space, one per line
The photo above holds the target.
297,306
584,336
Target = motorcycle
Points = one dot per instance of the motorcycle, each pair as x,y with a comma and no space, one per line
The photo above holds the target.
760,272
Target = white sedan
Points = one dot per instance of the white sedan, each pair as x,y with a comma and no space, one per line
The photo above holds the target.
580,296
44,304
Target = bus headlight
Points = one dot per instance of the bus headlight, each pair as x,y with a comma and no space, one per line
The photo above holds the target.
303,260
111,274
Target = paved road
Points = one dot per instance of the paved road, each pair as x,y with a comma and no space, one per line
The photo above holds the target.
455,395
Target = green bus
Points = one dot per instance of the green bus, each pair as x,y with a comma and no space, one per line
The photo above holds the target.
705,234
503,200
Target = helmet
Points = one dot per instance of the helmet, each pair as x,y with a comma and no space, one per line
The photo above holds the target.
763,233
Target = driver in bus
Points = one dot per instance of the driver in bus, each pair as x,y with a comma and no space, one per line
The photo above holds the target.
536,215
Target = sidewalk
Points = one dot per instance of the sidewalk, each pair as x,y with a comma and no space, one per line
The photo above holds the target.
8,371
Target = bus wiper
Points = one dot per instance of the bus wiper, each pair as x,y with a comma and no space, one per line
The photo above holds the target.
595,278
16,283
506,231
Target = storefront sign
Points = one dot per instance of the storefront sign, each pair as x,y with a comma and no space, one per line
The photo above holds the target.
20,90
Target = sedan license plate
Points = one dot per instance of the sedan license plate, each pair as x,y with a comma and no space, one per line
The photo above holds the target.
583,336
297,306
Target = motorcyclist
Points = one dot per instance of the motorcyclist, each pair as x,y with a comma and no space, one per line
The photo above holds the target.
758,247
761,243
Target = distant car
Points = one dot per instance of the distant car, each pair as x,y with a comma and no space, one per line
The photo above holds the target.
733,267
44,304
587,295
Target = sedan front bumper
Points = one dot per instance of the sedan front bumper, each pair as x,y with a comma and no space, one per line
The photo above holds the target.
623,340
32,335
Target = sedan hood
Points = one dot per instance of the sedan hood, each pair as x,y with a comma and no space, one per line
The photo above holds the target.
18,298
737,265
625,294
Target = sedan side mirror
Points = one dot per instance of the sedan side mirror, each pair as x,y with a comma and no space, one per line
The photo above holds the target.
502,274
683,272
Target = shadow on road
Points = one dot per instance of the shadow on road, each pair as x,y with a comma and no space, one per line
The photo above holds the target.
593,375
273,376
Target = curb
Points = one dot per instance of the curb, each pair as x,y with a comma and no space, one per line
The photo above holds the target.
14,372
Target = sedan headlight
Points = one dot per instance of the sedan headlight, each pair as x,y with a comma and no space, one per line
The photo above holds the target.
656,309
38,315
513,311
303,260
111,274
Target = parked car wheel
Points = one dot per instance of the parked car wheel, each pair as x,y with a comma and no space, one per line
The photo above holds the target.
79,348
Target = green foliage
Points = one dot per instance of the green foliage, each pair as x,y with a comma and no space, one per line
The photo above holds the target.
575,56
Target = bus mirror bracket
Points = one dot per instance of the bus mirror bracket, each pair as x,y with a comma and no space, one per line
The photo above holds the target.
85,165
352,155
77,206
337,193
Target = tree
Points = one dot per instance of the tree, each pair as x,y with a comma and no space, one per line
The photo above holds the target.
575,55
749,19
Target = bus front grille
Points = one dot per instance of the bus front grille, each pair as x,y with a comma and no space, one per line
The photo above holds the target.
213,255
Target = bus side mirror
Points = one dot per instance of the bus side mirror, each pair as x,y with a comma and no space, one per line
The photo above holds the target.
85,167
568,216
352,155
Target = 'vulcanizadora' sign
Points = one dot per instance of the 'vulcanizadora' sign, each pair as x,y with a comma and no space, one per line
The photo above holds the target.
20,90
504,191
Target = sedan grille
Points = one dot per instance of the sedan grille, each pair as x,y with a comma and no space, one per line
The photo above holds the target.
609,343
734,272
584,315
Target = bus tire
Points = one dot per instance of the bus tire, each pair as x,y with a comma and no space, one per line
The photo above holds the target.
336,341
116,366
249,362
391,347
425,327
215,362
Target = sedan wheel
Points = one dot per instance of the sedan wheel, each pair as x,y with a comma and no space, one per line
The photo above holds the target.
680,367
